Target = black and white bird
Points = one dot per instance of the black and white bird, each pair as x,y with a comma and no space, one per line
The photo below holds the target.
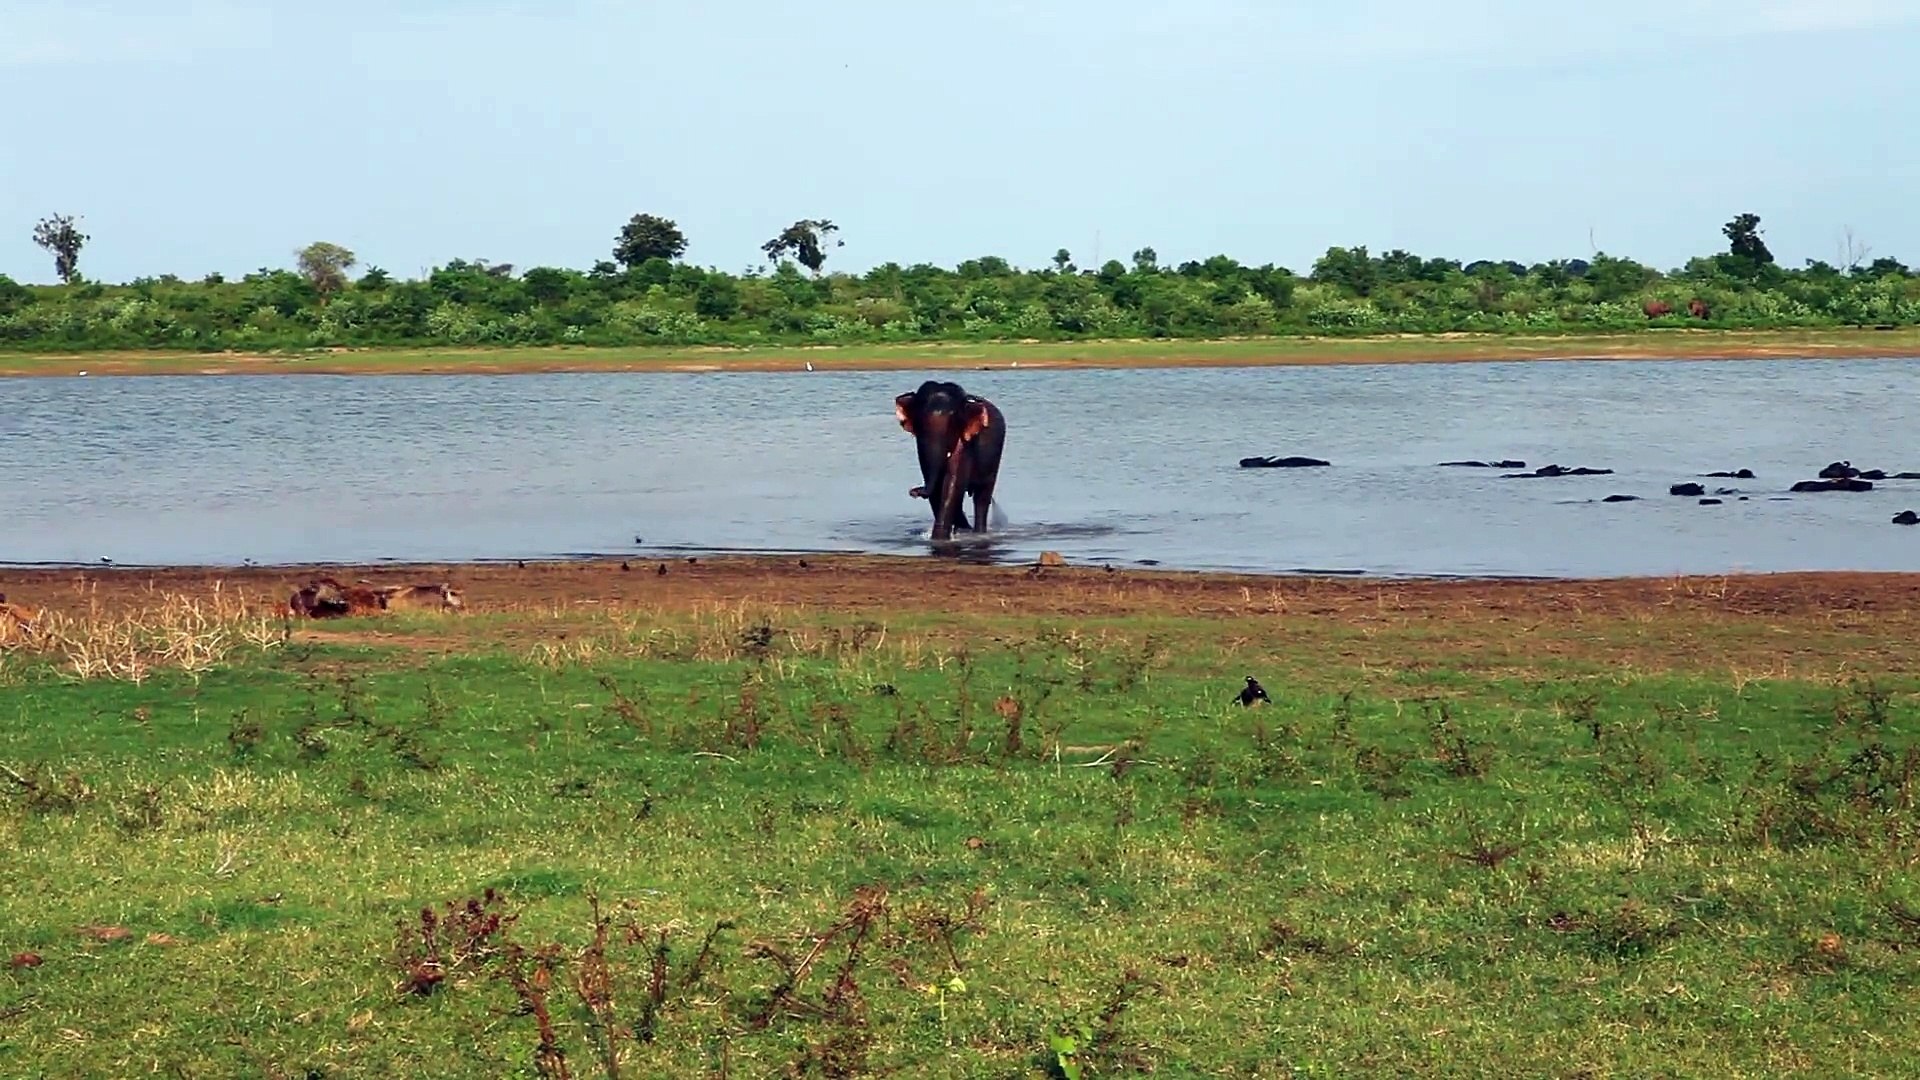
1253,692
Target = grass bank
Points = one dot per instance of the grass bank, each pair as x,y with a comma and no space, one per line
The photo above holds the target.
1411,348
750,818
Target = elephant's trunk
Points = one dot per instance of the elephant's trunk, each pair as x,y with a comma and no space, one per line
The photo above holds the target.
951,489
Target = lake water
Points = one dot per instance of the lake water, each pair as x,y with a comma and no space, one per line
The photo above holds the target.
1127,466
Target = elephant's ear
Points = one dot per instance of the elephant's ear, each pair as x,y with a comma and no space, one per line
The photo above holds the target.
900,412
977,419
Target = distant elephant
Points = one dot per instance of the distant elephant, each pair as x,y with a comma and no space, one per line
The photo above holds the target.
960,438
1656,308
1698,309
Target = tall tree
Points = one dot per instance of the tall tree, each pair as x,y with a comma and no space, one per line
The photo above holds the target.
645,236
803,238
1743,239
325,267
1352,269
59,235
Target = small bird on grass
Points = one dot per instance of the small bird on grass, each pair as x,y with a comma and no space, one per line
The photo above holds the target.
1253,692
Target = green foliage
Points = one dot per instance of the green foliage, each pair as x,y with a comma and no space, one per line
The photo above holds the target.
645,237
325,267
803,240
969,846
649,298
1744,243
63,240
13,295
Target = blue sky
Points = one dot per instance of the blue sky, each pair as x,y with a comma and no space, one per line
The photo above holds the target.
193,137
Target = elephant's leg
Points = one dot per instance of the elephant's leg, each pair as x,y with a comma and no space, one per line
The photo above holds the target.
950,492
985,473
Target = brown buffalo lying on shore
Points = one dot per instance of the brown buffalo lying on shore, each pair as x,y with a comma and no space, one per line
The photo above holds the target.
17,621
327,598
424,597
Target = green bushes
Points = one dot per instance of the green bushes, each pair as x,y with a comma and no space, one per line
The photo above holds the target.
656,302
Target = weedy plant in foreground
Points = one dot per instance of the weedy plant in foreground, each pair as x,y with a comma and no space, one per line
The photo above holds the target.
609,999
175,632
801,833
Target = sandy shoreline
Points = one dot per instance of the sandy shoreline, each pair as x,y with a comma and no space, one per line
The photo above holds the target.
1401,349
900,585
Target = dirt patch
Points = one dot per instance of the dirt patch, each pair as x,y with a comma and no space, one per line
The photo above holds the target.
423,643
1674,344
1871,602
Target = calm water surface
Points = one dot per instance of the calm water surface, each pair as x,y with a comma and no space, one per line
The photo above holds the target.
1101,465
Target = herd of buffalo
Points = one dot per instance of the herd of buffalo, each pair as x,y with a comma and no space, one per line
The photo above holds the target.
959,438
326,598
1838,476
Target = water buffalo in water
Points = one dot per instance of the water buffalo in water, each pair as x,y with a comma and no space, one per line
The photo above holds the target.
1281,463
1842,483
960,437
1555,470
1842,470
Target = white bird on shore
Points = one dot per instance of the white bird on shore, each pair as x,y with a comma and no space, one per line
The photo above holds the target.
809,365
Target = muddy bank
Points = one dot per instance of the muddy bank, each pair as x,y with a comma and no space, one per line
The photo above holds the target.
1398,349
878,585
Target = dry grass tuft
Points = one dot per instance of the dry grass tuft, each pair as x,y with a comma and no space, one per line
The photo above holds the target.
174,632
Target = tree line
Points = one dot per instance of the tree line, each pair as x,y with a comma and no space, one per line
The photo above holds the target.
646,294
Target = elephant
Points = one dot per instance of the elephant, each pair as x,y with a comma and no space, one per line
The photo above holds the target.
960,438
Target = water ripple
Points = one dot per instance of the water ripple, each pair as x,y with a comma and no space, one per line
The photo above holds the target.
1132,467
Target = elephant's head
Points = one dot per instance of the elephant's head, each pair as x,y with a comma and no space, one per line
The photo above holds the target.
943,419
941,415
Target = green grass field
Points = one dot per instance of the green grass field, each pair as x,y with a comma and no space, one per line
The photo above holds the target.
965,846
1276,350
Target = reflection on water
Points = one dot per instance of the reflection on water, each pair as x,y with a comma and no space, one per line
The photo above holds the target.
1124,466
